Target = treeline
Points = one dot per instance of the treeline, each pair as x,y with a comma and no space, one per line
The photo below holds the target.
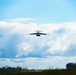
10,69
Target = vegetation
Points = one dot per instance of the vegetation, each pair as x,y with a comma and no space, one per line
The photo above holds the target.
71,66
19,71
10,69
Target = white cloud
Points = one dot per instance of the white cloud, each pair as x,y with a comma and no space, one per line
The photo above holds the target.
15,42
38,63
18,20
23,49
61,37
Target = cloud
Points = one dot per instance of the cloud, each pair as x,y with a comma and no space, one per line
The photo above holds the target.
24,49
18,20
37,63
15,41
17,47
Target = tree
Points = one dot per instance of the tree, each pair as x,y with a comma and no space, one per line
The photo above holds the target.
71,65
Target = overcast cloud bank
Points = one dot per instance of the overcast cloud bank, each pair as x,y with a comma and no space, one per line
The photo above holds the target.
15,42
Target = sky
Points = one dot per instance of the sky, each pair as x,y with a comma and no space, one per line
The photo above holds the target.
19,18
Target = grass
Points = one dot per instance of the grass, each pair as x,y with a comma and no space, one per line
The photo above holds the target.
45,72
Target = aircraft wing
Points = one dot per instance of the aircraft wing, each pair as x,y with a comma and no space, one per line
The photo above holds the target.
33,33
43,34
